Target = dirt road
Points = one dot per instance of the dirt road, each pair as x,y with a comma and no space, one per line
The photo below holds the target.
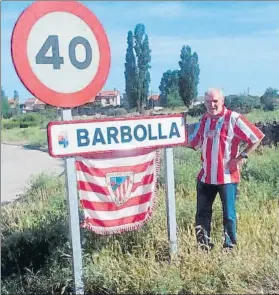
18,165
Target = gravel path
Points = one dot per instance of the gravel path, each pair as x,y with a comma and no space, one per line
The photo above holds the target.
19,164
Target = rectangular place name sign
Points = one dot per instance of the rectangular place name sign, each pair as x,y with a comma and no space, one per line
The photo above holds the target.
70,138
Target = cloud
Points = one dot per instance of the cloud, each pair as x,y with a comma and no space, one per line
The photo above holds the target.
274,32
164,10
268,13
243,48
241,12
171,10
146,10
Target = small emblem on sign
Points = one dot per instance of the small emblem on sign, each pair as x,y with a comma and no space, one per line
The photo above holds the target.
120,186
63,139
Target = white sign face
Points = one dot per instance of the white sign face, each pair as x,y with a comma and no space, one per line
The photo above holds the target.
99,136
64,57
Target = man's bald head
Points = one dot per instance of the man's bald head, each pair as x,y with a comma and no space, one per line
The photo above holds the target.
214,101
214,92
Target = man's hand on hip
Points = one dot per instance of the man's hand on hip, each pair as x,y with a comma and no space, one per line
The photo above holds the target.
235,164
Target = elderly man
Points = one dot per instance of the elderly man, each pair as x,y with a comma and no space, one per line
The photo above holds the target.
218,135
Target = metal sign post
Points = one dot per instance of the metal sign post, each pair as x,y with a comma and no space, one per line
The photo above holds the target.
170,199
74,227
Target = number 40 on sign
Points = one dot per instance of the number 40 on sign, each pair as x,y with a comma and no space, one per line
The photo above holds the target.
56,60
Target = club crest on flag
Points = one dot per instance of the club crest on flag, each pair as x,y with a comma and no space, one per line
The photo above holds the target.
120,186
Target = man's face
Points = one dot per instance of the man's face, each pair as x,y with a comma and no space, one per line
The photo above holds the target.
214,104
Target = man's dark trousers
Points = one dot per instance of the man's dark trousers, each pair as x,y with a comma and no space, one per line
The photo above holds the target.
206,194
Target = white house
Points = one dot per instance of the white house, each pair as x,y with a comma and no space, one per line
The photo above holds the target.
108,98
197,101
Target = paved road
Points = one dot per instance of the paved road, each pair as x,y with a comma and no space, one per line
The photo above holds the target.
18,165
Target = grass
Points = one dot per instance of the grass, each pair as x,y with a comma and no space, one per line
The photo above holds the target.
32,135
259,115
29,128
138,262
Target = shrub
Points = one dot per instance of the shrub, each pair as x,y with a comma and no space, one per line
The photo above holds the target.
197,110
9,124
30,120
115,112
33,226
23,121
242,103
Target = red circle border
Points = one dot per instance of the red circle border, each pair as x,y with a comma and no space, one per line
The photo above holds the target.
19,39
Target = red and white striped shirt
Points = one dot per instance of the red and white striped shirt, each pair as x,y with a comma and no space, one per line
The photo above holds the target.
219,139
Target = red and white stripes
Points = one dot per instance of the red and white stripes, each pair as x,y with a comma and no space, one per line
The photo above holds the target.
102,214
219,138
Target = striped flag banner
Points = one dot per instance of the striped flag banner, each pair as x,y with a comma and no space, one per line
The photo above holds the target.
117,194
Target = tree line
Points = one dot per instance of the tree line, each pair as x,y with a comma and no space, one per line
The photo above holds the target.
245,103
6,110
177,87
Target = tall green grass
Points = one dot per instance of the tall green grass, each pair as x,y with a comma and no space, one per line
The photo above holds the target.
263,116
29,129
32,136
36,229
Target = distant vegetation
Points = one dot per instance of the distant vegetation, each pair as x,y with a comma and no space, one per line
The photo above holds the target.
28,128
30,120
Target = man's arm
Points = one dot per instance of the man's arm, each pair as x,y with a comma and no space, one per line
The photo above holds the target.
251,148
234,164
193,132
249,133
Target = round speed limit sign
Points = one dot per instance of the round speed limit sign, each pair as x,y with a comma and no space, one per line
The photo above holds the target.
61,52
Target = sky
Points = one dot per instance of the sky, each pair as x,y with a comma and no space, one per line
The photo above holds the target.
237,42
